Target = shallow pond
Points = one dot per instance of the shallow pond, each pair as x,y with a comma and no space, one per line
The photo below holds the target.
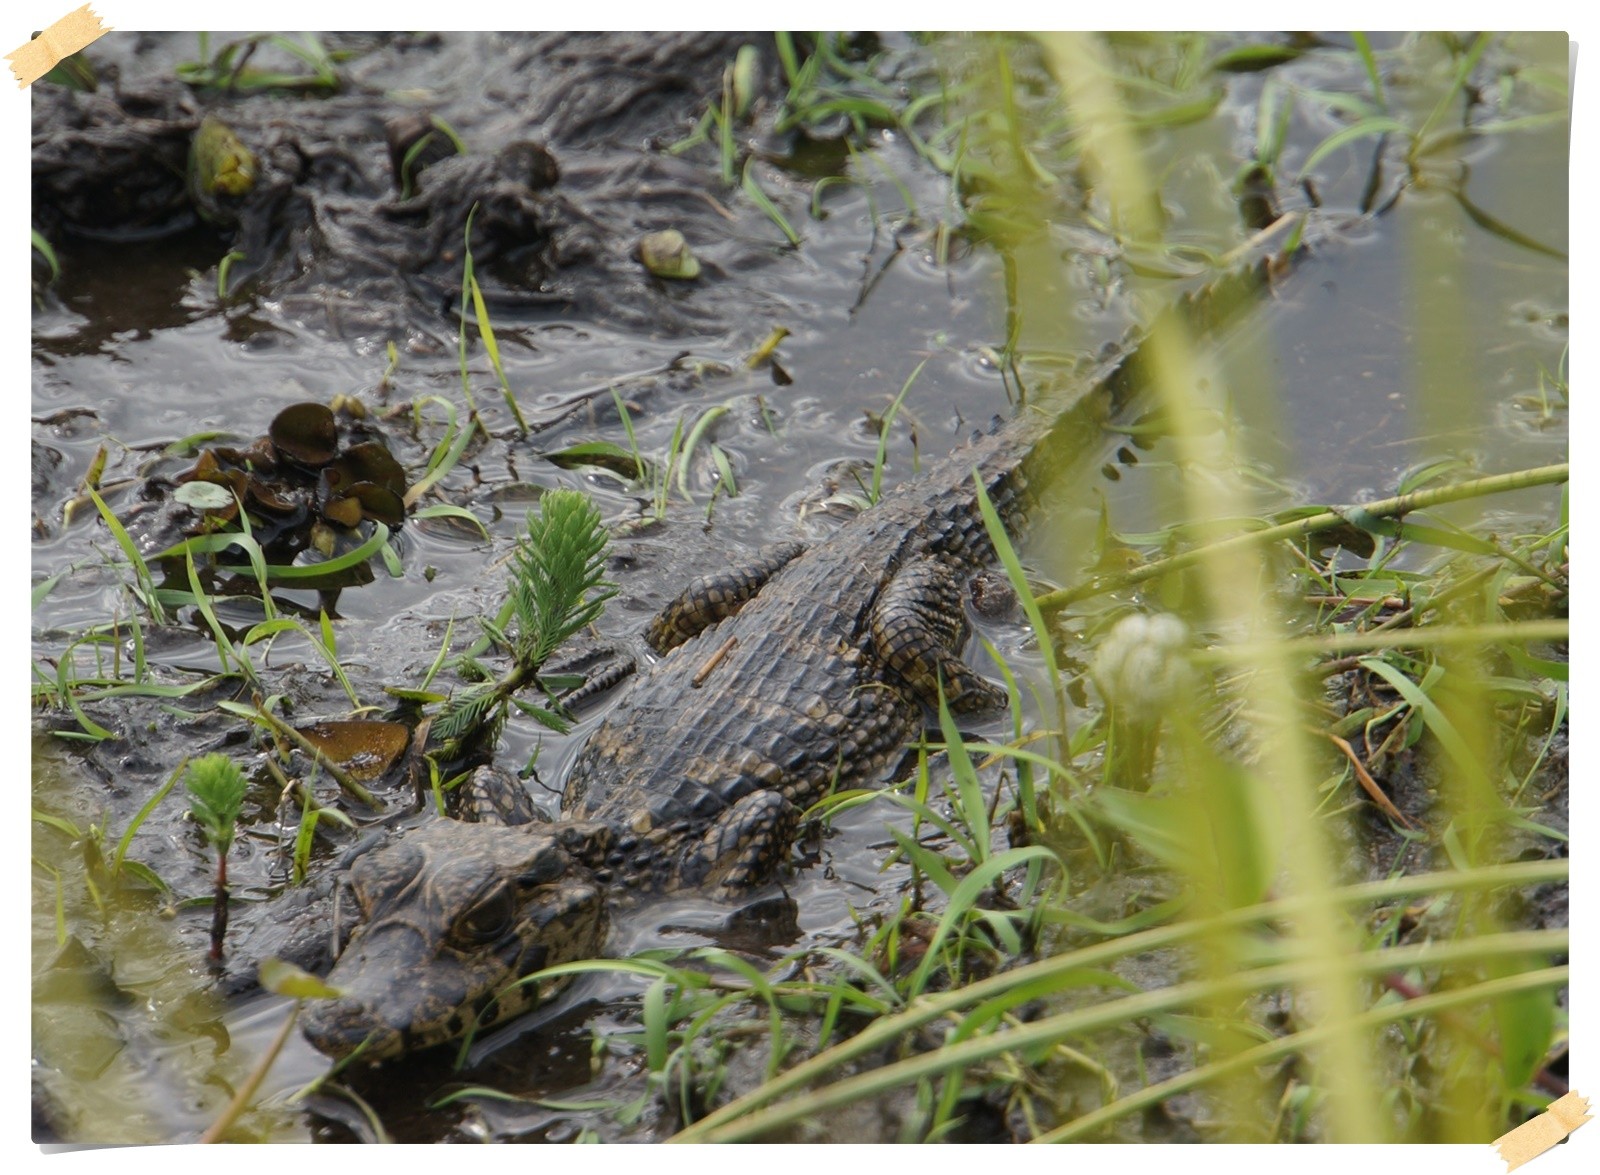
1408,337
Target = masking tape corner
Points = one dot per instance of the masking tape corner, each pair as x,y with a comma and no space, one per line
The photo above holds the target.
1537,1135
72,32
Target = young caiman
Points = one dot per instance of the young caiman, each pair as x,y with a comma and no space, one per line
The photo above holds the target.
804,671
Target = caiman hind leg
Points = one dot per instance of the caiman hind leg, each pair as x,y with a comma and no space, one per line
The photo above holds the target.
700,605
919,627
716,597
743,847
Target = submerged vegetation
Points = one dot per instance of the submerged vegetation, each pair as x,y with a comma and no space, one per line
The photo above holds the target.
1272,833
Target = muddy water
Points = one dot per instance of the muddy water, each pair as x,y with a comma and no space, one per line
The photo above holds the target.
1331,382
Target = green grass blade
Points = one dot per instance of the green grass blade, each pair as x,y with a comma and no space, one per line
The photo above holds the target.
970,806
764,202
352,558
46,251
141,571
486,332
696,434
144,811
875,490
1443,730
964,899
1370,63
323,645
1380,124
446,510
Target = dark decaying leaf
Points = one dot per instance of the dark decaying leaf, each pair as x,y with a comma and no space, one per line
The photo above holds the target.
598,455
275,497
370,461
345,511
306,433
379,503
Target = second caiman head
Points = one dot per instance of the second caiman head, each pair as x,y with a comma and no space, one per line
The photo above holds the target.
453,916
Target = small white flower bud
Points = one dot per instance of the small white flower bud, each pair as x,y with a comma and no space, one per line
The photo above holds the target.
1141,666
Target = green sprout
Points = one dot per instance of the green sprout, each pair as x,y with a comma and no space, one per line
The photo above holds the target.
216,791
558,587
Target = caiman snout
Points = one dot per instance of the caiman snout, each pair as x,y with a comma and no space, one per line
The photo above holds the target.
454,915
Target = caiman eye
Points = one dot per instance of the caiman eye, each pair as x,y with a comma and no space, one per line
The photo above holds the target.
486,921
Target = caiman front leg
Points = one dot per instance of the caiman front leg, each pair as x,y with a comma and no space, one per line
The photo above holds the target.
743,847
919,627
716,597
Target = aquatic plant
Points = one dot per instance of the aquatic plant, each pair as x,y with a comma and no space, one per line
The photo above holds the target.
557,588
216,789
229,68
1093,889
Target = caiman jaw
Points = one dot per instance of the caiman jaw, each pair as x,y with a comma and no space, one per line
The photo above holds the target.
455,915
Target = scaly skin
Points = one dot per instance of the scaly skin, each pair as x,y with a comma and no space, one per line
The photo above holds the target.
801,694
808,680
452,915
810,673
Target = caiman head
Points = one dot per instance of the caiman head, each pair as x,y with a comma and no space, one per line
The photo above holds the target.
452,915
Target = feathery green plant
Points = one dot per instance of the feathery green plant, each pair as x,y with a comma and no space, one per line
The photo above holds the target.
558,587
216,792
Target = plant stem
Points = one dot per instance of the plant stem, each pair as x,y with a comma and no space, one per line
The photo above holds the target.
1387,508
219,907
1404,638
340,775
241,1100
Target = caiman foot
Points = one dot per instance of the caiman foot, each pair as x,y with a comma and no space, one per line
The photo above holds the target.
919,627
492,796
743,847
716,597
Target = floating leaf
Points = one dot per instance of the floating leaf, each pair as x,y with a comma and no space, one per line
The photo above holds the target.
274,497
379,503
306,433
345,511
371,461
203,495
